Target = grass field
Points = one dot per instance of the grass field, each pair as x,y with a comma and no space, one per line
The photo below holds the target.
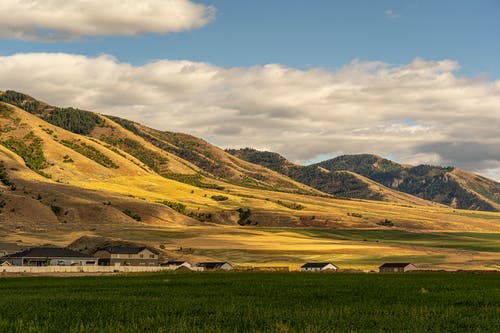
253,302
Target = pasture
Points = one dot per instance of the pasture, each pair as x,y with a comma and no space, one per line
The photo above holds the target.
252,302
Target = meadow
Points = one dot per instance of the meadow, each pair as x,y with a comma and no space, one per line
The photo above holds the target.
252,302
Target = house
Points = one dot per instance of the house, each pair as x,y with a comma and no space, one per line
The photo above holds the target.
174,265
49,256
127,256
318,267
398,267
206,266
10,248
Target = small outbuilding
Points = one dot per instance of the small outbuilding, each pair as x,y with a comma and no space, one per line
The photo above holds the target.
318,267
202,266
127,256
397,267
175,265
50,256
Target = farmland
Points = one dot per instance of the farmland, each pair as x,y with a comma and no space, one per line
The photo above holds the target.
239,302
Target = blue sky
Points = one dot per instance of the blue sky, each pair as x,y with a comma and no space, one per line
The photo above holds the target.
417,81
324,33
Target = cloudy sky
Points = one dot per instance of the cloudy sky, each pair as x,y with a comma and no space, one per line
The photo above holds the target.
417,81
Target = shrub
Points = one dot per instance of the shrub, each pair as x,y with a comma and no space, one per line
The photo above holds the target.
290,205
386,223
219,197
177,206
244,216
130,214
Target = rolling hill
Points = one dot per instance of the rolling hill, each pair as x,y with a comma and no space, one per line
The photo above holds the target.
74,173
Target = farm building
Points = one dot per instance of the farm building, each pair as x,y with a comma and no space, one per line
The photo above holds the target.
49,256
174,265
318,267
10,248
202,266
396,267
127,256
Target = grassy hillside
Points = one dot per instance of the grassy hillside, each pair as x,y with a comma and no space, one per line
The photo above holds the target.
449,186
339,183
214,161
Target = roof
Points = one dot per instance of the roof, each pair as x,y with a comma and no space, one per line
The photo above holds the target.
126,249
11,247
173,262
49,252
395,264
316,264
212,265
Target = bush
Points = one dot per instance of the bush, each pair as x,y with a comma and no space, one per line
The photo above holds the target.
177,206
244,216
130,214
386,223
290,205
219,197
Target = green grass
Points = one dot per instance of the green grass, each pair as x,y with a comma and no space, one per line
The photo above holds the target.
251,302
489,242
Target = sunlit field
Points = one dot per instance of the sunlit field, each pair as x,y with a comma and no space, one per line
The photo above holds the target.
248,302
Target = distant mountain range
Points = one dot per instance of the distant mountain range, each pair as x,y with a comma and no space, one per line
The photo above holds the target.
372,177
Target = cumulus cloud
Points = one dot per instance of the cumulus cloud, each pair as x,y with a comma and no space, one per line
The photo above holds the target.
420,112
62,20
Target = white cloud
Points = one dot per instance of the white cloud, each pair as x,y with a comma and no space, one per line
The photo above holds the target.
63,20
390,14
420,112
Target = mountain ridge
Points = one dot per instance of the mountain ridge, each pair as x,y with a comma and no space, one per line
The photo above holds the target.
445,185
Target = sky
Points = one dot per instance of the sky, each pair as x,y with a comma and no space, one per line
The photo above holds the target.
417,81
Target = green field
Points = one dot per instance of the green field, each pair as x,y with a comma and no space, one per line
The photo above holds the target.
249,302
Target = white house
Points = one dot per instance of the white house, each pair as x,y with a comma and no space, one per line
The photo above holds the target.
318,267
397,267
49,256
174,265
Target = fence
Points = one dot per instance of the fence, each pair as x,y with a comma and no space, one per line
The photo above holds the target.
82,269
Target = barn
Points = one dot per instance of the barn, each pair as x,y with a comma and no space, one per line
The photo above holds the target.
397,267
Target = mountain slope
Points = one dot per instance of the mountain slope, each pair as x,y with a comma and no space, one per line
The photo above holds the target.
339,183
172,155
450,186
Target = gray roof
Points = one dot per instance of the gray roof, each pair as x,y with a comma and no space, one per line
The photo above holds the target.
11,247
212,265
48,252
173,262
316,264
395,264
126,249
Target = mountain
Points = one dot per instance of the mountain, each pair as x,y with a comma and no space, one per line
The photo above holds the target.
450,186
172,155
339,183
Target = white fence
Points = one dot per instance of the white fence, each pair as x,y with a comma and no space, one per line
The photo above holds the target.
82,269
